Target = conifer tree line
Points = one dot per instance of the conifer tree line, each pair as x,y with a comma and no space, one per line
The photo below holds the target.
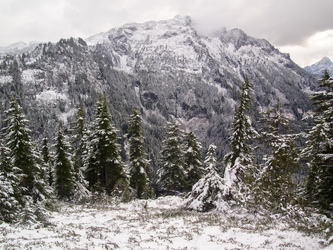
86,161
269,183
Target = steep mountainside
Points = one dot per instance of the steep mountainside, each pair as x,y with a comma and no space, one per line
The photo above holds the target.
164,68
318,67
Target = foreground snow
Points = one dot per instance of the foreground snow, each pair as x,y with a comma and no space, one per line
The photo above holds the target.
155,224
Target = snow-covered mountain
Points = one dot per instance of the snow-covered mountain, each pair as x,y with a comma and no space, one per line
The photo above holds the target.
164,68
318,67
18,48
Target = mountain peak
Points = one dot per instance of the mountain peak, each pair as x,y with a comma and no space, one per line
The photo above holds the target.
317,68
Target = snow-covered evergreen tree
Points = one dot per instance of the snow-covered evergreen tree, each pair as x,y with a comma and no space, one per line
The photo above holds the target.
32,191
276,186
192,159
104,167
171,174
210,160
79,144
63,182
210,192
240,160
47,160
139,163
8,187
318,151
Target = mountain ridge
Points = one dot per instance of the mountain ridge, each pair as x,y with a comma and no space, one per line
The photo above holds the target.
317,68
164,68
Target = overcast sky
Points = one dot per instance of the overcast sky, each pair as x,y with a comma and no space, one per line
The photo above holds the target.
303,28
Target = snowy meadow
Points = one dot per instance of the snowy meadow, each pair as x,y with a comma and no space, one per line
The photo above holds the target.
160,224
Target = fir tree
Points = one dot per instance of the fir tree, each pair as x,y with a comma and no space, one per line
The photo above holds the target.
210,160
22,154
192,159
79,144
210,192
31,190
318,151
45,151
139,164
8,187
171,174
276,186
104,167
240,159
63,168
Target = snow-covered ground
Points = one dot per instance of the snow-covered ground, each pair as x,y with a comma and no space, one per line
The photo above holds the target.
155,224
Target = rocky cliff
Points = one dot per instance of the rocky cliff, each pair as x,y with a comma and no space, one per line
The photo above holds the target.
164,68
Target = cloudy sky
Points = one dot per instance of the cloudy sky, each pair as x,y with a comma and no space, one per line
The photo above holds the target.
303,28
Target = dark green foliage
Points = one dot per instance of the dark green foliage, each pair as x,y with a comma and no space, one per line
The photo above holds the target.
210,160
79,144
46,157
24,160
139,164
192,159
171,174
276,185
243,132
104,167
8,187
26,173
18,140
318,151
63,168
239,161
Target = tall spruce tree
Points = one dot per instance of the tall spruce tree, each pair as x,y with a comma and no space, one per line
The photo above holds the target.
276,186
45,152
22,154
79,146
139,163
210,160
104,167
171,174
8,187
318,151
240,160
31,191
63,168
192,159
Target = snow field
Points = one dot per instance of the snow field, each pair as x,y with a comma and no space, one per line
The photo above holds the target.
154,224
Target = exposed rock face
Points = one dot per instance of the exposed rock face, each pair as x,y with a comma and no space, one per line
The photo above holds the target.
165,68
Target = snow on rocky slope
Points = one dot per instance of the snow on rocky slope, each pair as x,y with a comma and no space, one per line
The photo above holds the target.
318,67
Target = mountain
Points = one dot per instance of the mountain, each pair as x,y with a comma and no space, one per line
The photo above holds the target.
166,69
18,48
318,67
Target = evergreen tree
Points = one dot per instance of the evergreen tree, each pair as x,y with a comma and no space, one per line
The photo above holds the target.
45,151
31,190
104,167
79,144
8,187
210,192
318,151
276,186
63,168
210,160
240,160
192,159
139,163
22,154
171,174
